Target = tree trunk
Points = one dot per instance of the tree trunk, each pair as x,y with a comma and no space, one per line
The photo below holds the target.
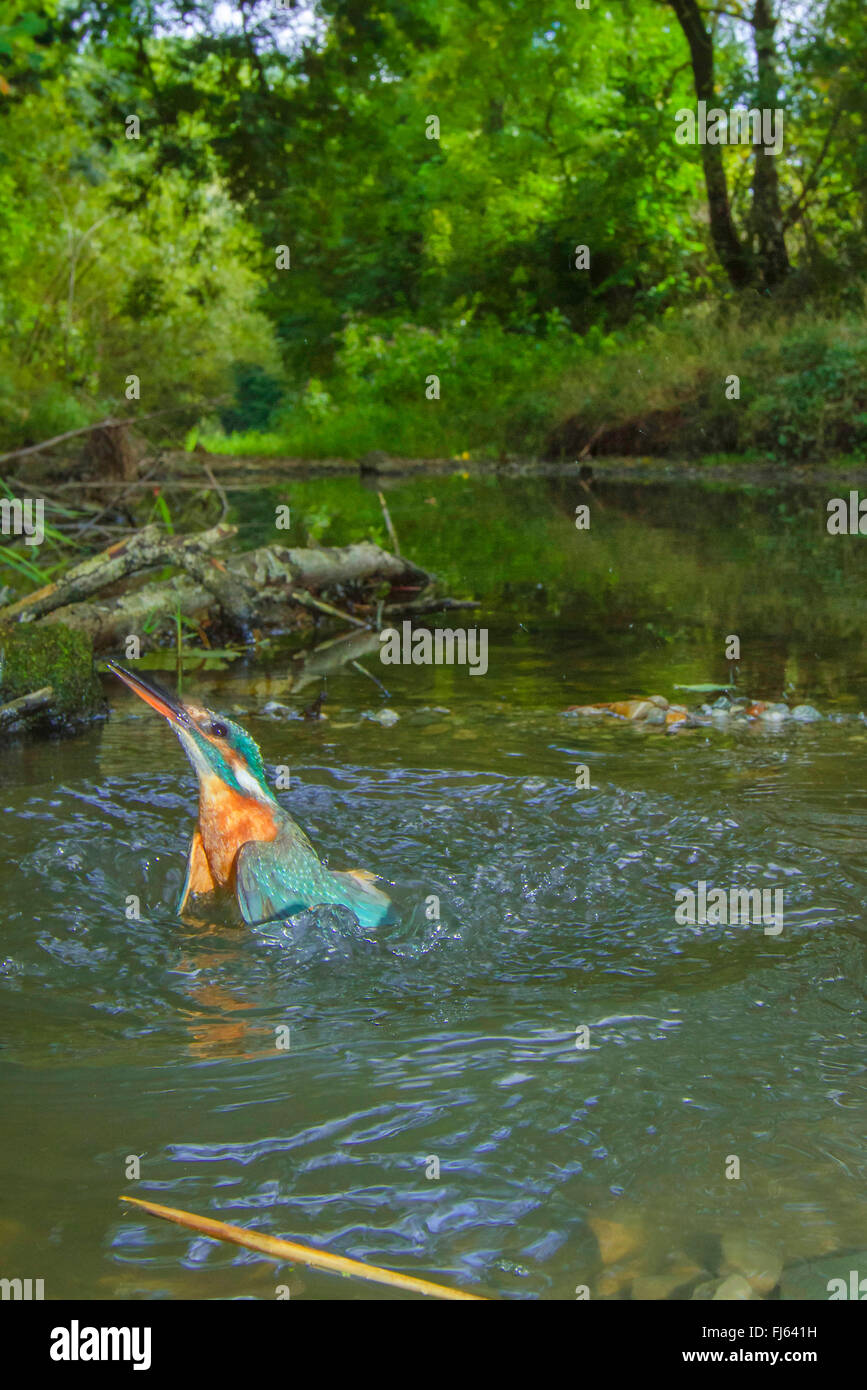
734,257
767,215
111,452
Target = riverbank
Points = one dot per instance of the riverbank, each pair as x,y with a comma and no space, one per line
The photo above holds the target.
716,381
744,471
200,469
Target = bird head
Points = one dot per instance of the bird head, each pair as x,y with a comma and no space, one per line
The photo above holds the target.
216,746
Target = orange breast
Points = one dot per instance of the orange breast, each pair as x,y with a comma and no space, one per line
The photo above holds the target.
227,820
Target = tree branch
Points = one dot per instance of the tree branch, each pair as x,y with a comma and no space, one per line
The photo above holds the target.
793,213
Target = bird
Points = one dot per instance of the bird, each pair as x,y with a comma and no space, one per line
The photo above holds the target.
245,843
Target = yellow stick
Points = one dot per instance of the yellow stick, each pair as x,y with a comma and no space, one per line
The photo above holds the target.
299,1254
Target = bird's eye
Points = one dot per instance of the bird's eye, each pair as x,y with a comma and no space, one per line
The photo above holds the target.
217,730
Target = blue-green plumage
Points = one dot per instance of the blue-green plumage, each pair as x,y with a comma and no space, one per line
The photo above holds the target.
245,841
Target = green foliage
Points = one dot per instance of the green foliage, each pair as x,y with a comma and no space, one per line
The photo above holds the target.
94,289
816,402
26,564
497,391
803,384
411,256
257,394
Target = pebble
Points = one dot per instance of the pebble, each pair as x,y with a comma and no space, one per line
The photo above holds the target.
279,711
616,1240
655,715
734,1286
385,717
639,709
810,1280
744,1255
774,714
805,714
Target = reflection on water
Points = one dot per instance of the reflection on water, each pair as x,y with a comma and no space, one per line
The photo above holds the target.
455,1038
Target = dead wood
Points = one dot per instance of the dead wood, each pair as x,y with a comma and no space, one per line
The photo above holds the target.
141,551
265,587
21,709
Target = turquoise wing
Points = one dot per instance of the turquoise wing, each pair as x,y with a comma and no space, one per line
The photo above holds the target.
356,890
277,878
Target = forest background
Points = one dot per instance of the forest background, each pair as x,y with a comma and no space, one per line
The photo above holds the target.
285,220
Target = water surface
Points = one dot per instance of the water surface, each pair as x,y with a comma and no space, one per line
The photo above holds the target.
456,1039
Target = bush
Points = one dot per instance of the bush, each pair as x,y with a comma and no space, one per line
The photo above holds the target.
803,387
816,407
658,389
257,394
497,391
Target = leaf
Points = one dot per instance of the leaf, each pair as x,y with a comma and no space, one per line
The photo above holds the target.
707,689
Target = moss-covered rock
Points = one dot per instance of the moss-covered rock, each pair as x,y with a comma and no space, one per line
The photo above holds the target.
33,655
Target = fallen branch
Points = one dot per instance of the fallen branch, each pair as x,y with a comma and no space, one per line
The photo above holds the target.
24,706
111,423
278,1249
143,550
308,601
110,620
230,590
108,424
327,566
262,588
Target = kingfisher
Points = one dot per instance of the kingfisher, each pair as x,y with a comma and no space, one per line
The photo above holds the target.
245,842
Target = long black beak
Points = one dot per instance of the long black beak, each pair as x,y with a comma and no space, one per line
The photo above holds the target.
154,695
